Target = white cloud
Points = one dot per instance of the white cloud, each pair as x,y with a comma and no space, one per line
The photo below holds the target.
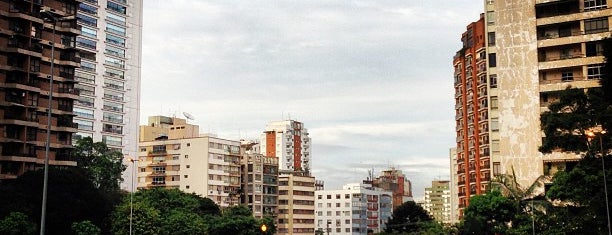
372,80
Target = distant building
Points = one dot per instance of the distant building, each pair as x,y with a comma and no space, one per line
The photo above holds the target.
395,181
453,184
259,182
355,209
288,140
177,157
296,210
437,201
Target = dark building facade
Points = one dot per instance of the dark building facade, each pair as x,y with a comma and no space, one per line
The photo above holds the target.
30,32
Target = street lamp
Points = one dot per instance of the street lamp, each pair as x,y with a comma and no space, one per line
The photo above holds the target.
591,133
134,165
50,16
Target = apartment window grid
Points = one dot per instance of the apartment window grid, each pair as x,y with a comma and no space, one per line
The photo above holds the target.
567,76
592,5
595,71
596,25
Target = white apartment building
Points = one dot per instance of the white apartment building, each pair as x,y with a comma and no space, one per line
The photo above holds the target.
354,209
454,187
288,140
109,76
179,158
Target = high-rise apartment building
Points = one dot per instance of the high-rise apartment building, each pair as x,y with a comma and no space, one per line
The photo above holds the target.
354,209
454,187
179,158
35,47
472,114
288,140
259,182
296,199
534,49
438,201
109,75
395,181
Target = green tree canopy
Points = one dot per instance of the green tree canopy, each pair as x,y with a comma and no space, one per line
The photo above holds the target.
103,165
408,218
17,223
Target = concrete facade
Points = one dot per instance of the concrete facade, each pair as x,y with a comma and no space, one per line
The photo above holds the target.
438,201
354,209
289,141
296,209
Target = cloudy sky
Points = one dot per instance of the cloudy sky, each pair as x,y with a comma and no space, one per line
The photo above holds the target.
371,80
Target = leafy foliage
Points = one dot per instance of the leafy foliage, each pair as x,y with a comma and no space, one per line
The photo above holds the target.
85,228
409,218
17,223
489,213
102,164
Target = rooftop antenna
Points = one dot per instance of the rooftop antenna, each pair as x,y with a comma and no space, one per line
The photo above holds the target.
188,116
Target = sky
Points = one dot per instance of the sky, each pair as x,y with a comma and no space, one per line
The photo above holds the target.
371,80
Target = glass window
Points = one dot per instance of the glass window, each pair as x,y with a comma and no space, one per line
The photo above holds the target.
88,9
80,135
84,113
113,84
115,40
116,129
115,29
491,38
86,43
113,106
85,101
111,117
115,18
567,76
595,71
89,32
591,5
114,62
493,80
492,60
490,17
112,95
494,124
596,25
84,125
85,90
115,51
116,7
114,73
87,20
82,77
111,140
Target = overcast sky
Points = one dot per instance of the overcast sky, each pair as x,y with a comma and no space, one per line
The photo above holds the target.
371,80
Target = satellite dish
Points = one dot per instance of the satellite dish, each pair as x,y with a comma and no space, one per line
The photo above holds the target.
188,116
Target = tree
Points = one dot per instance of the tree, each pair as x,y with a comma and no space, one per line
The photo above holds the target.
164,211
408,218
489,214
103,165
71,197
17,223
85,228
239,220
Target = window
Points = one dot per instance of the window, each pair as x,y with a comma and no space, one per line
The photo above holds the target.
112,95
594,49
111,140
85,90
88,9
111,117
492,60
86,43
328,196
493,80
84,113
114,73
496,168
115,18
594,71
494,124
494,102
85,31
113,84
596,25
115,7
86,66
490,17
115,40
82,77
87,20
567,76
112,129
591,5
84,125
491,37
35,65
337,196
185,176
115,29
117,63
115,51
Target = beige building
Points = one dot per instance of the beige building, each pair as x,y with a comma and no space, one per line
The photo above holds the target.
534,49
454,187
172,155
438,201
296,209
259,182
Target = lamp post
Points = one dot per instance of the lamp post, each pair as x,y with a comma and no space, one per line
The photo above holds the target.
134,166
50,17
591,133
